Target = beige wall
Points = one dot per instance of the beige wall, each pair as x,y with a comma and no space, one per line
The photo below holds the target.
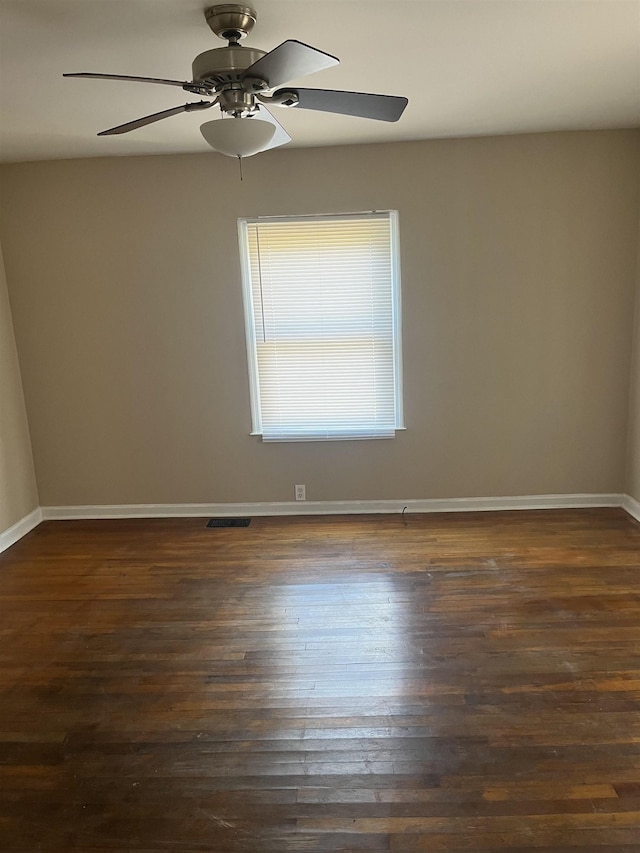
518,263
633,465
18,493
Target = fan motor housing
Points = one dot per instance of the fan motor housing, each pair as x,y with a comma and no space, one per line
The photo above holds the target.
224,64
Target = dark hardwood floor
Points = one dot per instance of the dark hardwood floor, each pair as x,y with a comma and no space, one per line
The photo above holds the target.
465,682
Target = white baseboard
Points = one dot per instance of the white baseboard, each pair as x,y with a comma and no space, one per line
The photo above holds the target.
331,507
632,506
429,505
10,536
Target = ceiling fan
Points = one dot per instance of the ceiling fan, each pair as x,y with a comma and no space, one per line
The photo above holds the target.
245,82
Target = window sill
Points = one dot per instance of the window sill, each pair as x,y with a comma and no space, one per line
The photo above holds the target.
298,438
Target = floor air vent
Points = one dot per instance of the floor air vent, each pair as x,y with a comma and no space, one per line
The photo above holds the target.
228,522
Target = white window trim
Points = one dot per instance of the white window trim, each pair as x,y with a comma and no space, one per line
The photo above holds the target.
250,329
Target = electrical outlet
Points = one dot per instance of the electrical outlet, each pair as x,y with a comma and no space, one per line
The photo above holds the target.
301,493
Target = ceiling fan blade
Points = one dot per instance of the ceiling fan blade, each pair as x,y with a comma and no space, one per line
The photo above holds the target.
141,122
364,105
280,137
126,77
288,61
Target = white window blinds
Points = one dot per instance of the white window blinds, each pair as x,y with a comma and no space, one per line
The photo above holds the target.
322,314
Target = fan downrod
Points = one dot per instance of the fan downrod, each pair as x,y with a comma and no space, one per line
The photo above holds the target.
231,22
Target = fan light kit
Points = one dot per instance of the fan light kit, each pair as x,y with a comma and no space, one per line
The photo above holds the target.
244,82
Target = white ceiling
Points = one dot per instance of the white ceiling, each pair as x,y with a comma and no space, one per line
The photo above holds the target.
468,67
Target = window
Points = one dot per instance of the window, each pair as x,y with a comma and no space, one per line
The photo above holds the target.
322,310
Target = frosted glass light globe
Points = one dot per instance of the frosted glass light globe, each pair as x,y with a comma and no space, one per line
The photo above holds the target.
238,137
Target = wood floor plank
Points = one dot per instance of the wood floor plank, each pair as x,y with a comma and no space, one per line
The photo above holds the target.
437,683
